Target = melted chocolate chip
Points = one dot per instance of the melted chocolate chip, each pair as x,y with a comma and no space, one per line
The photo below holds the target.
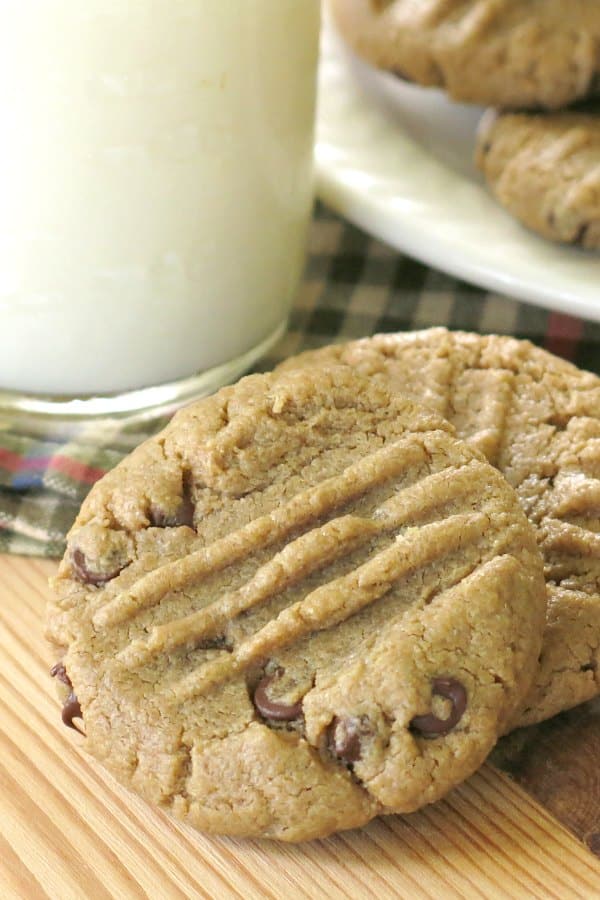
216,643
430,725
58,671
85,575
271,709
344,738
184,515
72,710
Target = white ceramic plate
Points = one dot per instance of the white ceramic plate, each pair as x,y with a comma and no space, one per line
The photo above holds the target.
396,160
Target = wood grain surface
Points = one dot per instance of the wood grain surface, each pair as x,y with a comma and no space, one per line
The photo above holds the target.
68,831
558,762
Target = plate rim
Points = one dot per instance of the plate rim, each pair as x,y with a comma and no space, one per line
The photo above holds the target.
338,187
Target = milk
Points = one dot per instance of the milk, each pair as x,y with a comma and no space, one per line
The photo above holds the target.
155,184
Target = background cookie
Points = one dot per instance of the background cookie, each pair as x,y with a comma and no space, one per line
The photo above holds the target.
537,419
541,53
354,619
545,170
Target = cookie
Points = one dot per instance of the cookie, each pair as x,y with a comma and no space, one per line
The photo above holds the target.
537,419
545,170
303,604
505,53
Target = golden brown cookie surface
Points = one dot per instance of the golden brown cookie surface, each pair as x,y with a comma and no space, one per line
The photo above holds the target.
545,170
506,53
537,419
348,626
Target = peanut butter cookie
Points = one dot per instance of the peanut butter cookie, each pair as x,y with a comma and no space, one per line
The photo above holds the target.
304,603
545,170
506,53
537,419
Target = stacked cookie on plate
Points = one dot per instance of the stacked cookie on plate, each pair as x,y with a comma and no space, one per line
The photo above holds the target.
313,599
541,58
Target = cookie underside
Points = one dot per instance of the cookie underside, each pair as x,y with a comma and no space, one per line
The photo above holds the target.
510,54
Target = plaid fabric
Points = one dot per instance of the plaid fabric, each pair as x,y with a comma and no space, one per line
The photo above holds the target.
353,286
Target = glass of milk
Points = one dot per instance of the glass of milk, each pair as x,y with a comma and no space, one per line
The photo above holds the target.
156,185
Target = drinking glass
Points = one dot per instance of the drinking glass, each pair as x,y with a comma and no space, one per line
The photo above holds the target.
156,183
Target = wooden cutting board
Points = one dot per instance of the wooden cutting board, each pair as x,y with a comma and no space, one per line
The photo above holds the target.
69,832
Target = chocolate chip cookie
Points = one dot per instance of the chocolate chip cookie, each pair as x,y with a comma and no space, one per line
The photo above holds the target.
537,419
506,53
304,603
545,170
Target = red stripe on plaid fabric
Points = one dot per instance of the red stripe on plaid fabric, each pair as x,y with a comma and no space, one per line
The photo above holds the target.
13,462
72,468
563,335
76,470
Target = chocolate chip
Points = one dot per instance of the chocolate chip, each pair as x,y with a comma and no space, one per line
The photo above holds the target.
344,739
72,710
221,642
184,515
271,709
430,725
85,574
58,671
